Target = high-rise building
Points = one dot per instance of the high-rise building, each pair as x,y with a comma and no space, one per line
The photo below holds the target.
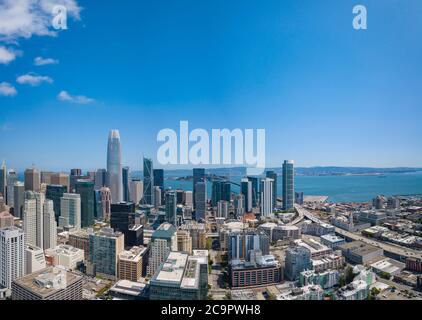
12,178
33,218
70,208
222,209
51,283
136,191
18,199
239,205
188,198
6,219
32,180
266,198
12,255
125,181
148,197
255,191
241,243
46,177
75,175
171,207
76,172
159,178
100,178
123,220
198,176
34,259
54,193
3,179
184,241
114,167
200,200
246,190
105,247
85,188
288,185
60,178
273,175
105,203
297,259
130,264
221,190
49,225
198,233
163,240
157,196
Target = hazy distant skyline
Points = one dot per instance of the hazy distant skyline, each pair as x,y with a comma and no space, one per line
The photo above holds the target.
325,93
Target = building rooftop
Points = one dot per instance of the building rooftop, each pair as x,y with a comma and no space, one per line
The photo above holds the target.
63,249
127,287
134,254
359,247
173,268
332,238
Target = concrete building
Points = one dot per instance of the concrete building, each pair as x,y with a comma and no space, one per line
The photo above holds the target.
332,241
222,209
33,219
297,259
316,248
70,208
80,239
286,232
60,179
34,259
49,225
241,244
358,252
66,255
18,199
6,219
326,279
308,293
188,199
136,190
356,290
266,197
105,195
12,255
51,283
198,234
163,240
32,180
334,260
184,241
128,290
130,265
114,166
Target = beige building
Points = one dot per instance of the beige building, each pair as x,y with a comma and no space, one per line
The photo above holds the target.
130,264
184,241
60,179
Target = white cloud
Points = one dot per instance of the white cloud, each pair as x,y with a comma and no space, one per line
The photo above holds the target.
33,79
40,61
65,96
6,55
25,18
6,89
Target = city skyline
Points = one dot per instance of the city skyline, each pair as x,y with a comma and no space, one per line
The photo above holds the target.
326,94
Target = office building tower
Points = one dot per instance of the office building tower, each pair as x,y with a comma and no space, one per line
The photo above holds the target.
157,196
241,243
70,210
163,240
33,218
188,199
3,179
184,241
18,199
6,219
32,180
61,179
136,191
105,247
220,191
130,264
100,178
49,225
171,207
123,219
246,190
297,259
80,239
75,175
255,191
266,198
198,233
198,176
12,178
181,277
273,175
51,283
12,255
222,209
299,198
46,177
105,203
239,205
98,210
159,178
393,203
288,185
54,193
75,172
148,197
200,200
85,189
114,167
125,181
180,196
34,259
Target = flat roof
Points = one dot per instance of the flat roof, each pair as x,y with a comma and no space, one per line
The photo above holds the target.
172,269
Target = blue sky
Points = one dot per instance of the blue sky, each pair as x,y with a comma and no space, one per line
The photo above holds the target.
325,93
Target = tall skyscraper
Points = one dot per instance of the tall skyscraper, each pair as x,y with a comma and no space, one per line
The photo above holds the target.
86,190
33,218
105,203
49,225
157,196
222,209
200,200
12,255
198,176
12,178
19,199
241,243
70,208
239,205
273,175
288,185
171,207
54,193
100,178
114,167
266,199
32,180
46,177
123,219
159,178
75,172
60,179
125,181
255,190
221,190
148,197
3,179
246,190
136,191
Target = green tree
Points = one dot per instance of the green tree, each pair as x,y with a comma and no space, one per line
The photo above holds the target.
228,296
349,274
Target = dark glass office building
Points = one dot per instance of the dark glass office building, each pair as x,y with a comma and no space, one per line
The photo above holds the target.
85,188
123,219
273,175
125,181
148,197
54,192
255,190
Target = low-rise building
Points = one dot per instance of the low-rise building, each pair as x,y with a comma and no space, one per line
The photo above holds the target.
316,248
334,260
332,241
130,264
65,255
356,290
387,266
128,290
309,292
358,252
326,279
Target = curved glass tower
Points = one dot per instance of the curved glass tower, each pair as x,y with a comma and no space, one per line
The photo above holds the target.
114,166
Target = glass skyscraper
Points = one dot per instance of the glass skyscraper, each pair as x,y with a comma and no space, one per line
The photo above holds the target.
171,207
273,175
86,190
114,166
198,176
288,185
148,197
54,193
126,179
